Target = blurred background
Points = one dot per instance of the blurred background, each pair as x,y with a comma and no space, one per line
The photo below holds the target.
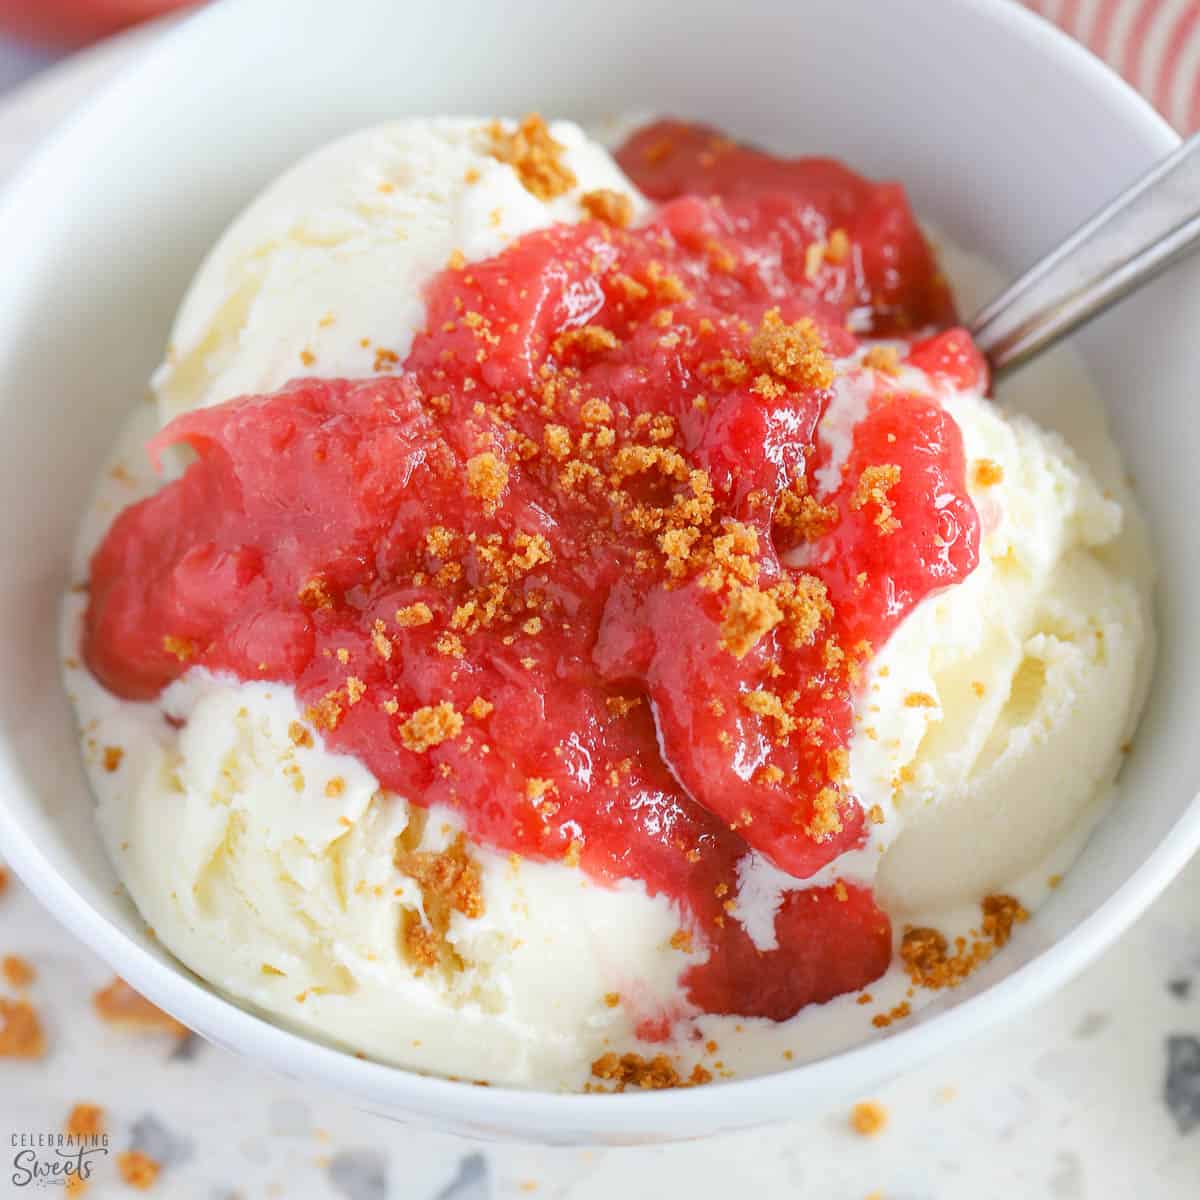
1154,44
33,33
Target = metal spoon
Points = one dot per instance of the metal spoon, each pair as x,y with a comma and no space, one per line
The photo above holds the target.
1135,237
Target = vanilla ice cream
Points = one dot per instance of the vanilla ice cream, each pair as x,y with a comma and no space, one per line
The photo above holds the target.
324,273
281,872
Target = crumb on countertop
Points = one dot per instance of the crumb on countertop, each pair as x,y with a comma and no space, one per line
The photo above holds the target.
868,1118
119,1004
137,1169
21,1034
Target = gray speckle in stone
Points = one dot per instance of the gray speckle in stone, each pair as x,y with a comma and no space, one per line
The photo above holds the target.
1091,1024
153,1138
470,1181
1067,1179
1182,1091
359,1174
187,1048
1180,988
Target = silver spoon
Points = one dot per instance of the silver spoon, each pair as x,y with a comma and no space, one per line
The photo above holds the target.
1135,237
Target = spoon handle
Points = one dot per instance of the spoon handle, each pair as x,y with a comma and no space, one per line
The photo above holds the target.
1143,231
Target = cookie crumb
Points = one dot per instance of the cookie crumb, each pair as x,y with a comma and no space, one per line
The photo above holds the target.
18,971
137,1169
611,207
868,1118
85,1120
119,1004
431,726
536,157
21,1033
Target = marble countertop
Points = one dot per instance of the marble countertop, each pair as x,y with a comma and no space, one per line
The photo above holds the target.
1095,1095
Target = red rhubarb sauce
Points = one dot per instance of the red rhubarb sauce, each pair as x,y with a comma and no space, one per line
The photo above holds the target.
568,569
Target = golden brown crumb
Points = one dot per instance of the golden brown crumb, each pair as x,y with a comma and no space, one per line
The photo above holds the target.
315,594
766,704
883,359
873,487
868,1118
681,939
536,789
414,614
18,971
112,758
647,1073
557,439
137,1169
792,352
930,961
85,1120
837,246
883,1020
622,706
439,541
75,1185
450,882
431,726
1000,914
727,371
604,204
919,700
587,339
181,647
720,257
875,815
667,286
450,644
749,615
299,734
803,514
804,600
326,713
335,787
826,819
986,473
307,357
631,288
487,477
20,1030
535,156
3,880
612,999
119,1004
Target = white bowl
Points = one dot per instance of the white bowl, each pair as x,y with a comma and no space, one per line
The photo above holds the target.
1006,133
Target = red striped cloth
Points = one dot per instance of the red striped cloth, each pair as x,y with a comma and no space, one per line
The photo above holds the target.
1154,44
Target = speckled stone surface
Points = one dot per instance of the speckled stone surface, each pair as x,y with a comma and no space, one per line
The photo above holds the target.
1094,1096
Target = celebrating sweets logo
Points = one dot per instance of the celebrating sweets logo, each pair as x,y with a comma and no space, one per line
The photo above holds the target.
55,1159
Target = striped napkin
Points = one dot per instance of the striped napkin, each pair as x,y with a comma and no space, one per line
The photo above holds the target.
1154,44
